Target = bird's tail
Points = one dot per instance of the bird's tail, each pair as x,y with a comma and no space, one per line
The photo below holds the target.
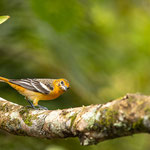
2,79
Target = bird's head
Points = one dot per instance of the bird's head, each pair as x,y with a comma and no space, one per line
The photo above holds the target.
62,84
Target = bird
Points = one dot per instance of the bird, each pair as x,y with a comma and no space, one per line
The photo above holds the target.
37,89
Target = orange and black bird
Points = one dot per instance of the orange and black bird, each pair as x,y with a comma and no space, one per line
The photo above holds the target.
38,89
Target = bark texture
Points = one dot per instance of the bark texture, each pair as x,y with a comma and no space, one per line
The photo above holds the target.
91,124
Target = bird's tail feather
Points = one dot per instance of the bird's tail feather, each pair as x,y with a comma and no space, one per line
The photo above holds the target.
2,79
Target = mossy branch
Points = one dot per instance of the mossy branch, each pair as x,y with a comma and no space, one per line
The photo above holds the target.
122,117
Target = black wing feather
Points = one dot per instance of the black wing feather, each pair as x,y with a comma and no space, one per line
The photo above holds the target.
31,84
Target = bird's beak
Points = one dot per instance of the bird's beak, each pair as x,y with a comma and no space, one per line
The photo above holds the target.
65,88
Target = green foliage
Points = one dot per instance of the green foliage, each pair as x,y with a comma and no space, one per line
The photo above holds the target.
3,19
101,47
58,13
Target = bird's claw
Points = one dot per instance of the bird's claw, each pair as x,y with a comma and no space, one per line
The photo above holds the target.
29,106
38,107
42,107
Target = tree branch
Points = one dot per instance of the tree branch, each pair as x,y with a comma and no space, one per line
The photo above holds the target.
122,117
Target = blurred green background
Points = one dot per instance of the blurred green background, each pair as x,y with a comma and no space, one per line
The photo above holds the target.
102,47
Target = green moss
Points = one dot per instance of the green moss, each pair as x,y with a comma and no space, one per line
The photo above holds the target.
4,108
109,117
23,111
90,123
21,132
27,118
138,125
73,117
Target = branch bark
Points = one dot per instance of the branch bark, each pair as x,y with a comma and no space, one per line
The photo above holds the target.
91,124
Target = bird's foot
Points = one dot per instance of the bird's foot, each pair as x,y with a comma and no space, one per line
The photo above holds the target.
38,107
42,107
29,106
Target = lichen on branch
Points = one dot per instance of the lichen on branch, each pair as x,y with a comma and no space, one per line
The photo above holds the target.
91,124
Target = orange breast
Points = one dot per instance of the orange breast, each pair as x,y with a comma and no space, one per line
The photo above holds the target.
53,94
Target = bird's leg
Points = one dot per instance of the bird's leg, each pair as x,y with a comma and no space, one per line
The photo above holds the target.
35,103
32,106
42,107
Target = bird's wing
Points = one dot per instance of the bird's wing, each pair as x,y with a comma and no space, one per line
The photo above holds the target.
33,85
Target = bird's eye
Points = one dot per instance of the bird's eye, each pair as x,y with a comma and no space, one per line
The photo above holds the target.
62,83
